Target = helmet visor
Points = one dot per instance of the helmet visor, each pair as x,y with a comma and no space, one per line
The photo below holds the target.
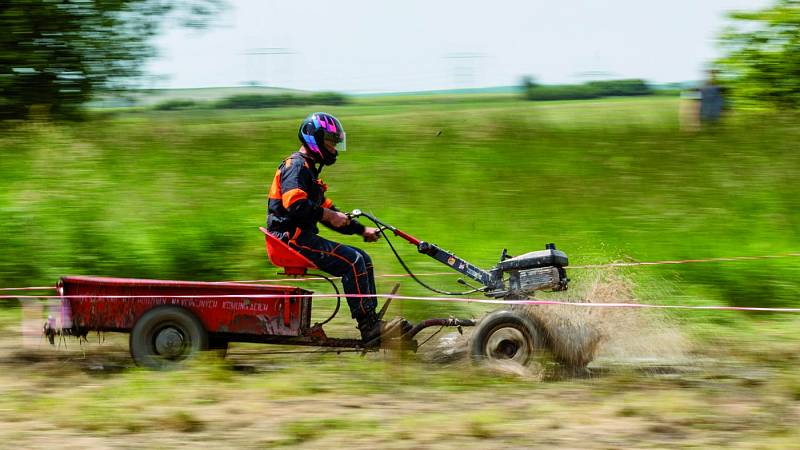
337,141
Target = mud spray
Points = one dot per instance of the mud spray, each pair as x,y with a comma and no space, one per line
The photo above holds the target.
578,337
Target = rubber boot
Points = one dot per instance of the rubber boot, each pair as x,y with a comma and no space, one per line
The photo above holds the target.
370,328
373,330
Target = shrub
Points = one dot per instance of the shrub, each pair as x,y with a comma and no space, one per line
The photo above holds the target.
561,92
620,88
172,105
327,98
593,89
254,101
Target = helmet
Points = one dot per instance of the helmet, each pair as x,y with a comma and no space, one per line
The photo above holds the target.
318,128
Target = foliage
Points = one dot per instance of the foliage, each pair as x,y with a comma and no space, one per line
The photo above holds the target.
592,89
327,98
255,101
762,64
56,55
528,82
176,104
561,92
620,88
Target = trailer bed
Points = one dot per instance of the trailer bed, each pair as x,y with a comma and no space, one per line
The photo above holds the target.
115,304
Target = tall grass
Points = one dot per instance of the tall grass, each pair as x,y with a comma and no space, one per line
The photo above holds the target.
180,194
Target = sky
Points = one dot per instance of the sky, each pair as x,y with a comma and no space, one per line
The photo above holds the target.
410,45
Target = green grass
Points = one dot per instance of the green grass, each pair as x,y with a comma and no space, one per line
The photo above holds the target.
180,194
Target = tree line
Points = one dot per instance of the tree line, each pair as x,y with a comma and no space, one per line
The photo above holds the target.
256,101
592,89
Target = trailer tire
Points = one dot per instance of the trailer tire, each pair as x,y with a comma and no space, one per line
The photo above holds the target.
505,336
166,336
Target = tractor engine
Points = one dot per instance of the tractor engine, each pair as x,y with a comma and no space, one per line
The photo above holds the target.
533,271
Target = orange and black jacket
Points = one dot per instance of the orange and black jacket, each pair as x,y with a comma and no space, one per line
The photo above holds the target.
297,197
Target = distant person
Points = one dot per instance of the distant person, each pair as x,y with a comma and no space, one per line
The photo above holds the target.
712,100
704,105
297,202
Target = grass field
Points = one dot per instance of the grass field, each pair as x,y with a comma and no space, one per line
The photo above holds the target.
179,195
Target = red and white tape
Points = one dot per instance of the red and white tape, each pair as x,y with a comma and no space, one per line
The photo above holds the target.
578,267
422,298
686,261
455,299
431,274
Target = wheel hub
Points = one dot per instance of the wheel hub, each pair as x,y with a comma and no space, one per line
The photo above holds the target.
169,343
508,343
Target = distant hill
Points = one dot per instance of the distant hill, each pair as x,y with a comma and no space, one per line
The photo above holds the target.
154,96
150,97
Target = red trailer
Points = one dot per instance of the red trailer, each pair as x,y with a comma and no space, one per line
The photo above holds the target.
169,321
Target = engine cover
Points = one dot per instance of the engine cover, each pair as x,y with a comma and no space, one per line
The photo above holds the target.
531,260
530,280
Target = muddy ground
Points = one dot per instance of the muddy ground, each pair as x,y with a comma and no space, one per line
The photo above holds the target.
66,399
651,383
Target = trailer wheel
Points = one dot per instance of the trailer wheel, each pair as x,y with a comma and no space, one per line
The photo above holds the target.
165,336
505,336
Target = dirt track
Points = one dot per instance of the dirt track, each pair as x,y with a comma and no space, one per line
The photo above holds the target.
65,399
648,386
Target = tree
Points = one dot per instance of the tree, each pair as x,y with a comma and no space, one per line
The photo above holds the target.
55,55
762,64
528,82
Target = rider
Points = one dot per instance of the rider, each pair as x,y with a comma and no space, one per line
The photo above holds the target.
297,202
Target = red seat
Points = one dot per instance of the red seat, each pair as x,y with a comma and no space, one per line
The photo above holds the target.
281,255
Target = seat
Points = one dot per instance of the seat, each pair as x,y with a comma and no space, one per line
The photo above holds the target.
281,255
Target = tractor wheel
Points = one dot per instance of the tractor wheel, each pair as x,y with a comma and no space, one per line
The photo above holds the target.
165,336
505,336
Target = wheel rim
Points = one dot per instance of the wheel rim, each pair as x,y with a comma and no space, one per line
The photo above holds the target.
508,344
170,343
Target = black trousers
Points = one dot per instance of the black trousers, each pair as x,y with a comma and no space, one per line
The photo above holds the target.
352,264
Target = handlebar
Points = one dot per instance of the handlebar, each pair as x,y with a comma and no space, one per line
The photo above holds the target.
432,250
384,225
